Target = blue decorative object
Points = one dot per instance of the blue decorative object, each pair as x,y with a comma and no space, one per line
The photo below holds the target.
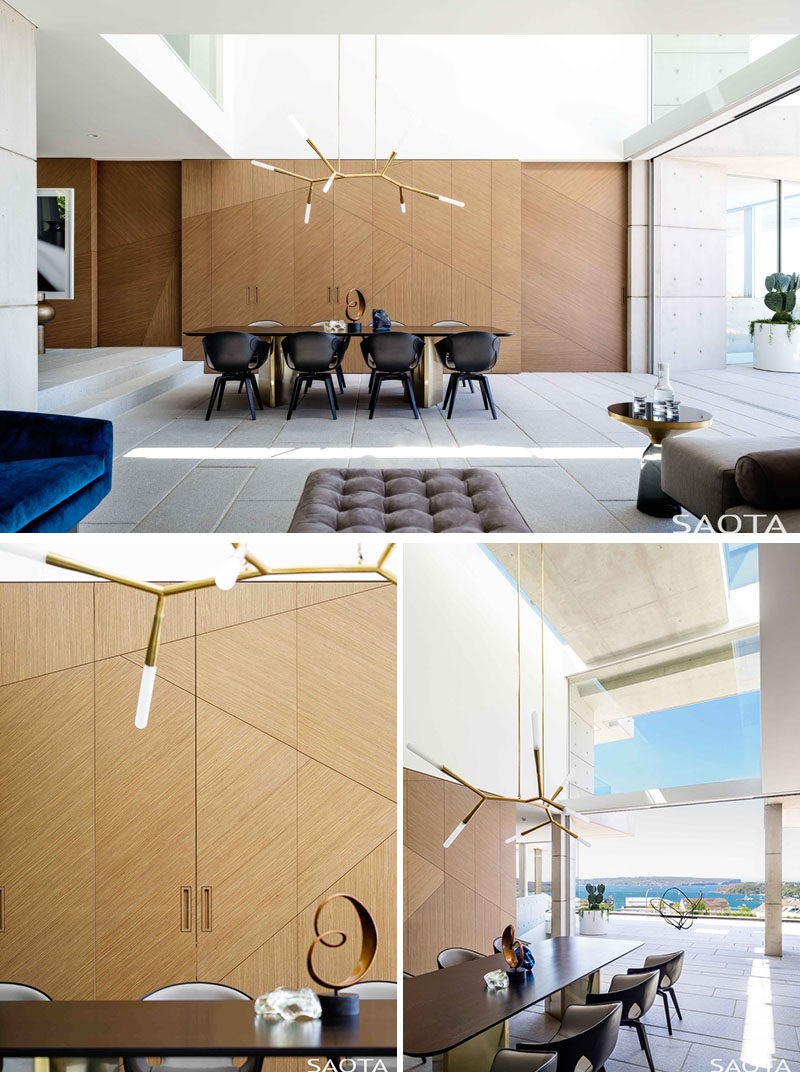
54,469
381,321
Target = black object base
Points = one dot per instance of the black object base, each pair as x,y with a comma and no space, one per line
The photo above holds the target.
651,499
517,976
353,328
336,1006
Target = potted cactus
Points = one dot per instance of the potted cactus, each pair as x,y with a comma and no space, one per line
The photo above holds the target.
594,911
776,346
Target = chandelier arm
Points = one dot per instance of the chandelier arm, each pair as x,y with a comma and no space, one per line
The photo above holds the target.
388,162
205,582
105,575
559,790
530,830
322,157
538,765
472,810
566,830
386,552
411,189
291,174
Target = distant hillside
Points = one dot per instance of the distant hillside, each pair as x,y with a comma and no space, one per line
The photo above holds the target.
790,889
662,880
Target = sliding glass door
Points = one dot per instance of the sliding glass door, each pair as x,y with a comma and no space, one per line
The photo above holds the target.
752,254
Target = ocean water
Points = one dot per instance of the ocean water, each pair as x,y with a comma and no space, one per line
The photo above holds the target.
619,893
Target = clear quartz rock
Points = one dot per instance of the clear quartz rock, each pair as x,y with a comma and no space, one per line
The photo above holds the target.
496,980
287,1004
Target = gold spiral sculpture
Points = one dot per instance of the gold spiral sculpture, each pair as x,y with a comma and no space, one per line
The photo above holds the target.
334,939
355,305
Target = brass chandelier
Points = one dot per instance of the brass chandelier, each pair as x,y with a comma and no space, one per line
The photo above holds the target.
239,565
335,172
548,804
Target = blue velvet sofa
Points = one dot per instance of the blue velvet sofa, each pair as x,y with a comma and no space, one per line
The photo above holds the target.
54,469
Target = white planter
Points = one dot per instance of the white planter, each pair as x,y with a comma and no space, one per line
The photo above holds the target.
775,349
594,923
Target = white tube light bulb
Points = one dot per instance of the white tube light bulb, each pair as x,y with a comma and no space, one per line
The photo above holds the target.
307,216
402,200
446,844
577,815
329,183
402,206
23,550
537,740
510,840
229,570
145,696
422,755
260,163
298,128
583,841
451,201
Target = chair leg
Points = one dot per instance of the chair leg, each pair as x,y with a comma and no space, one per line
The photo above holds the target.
467,380
340,378
256,391
222,384
250,399
331,396
214,389
454,382
241,385
482,386
644,1042
666,1010
675,1003
485,382
410,391
371,381
308,384
298,383
376,390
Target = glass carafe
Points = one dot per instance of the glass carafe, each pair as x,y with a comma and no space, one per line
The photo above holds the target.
663,393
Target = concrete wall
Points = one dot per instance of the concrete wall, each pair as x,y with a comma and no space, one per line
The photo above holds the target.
779,587
685,65
18,358
689,253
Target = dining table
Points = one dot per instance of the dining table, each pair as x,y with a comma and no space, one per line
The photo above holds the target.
275,377
113,1029
452,1011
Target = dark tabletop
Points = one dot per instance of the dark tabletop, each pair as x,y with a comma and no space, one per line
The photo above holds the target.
292,329
171,1028
444,1008
686,415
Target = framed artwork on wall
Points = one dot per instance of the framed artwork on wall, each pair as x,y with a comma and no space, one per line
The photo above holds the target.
54,242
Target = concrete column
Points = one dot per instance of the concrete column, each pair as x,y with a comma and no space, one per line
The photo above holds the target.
18,344
773,873
563,882
537,870
522,869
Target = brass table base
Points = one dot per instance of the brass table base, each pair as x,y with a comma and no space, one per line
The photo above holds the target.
477,1054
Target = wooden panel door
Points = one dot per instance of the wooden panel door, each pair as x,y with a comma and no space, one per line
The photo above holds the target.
145,822
246,841
352,248
273,241
574,221
232,257
47,832
313,249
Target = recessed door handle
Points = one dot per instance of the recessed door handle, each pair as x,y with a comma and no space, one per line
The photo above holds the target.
2,908
186,908
337,294
329,295
256,290
206,922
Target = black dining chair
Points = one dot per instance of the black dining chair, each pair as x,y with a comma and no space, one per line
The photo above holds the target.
456,954
670,966
586,1033
517,1061
392,355
312,355
236,356
196,991
456,324
470,355
636,993
345,342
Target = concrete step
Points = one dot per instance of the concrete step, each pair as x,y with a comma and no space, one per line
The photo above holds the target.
108,400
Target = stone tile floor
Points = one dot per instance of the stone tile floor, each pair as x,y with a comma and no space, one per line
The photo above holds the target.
566,464
738,1005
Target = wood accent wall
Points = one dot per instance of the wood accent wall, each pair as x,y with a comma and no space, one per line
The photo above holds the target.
464,895
574,267
75,323
139,253
247,255
267,772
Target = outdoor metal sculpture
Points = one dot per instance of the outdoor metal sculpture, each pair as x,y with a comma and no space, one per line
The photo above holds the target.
680,918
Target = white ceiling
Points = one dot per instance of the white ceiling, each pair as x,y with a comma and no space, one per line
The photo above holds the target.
410,16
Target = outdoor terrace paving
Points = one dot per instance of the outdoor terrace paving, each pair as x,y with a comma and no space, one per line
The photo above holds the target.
567,465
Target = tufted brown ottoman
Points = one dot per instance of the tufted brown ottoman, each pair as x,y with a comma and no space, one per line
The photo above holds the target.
405,500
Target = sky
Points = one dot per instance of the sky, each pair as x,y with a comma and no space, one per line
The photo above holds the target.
713,840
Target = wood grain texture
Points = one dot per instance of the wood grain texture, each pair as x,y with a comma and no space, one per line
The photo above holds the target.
311,592
75,323
145,829
250,671
460,895
275,963
338,820
351,728
244,603
574,213
123,618
47,831
313,250
139,253
246,838
176,662
47,627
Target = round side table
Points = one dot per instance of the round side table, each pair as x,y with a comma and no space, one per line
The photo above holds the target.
651,499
